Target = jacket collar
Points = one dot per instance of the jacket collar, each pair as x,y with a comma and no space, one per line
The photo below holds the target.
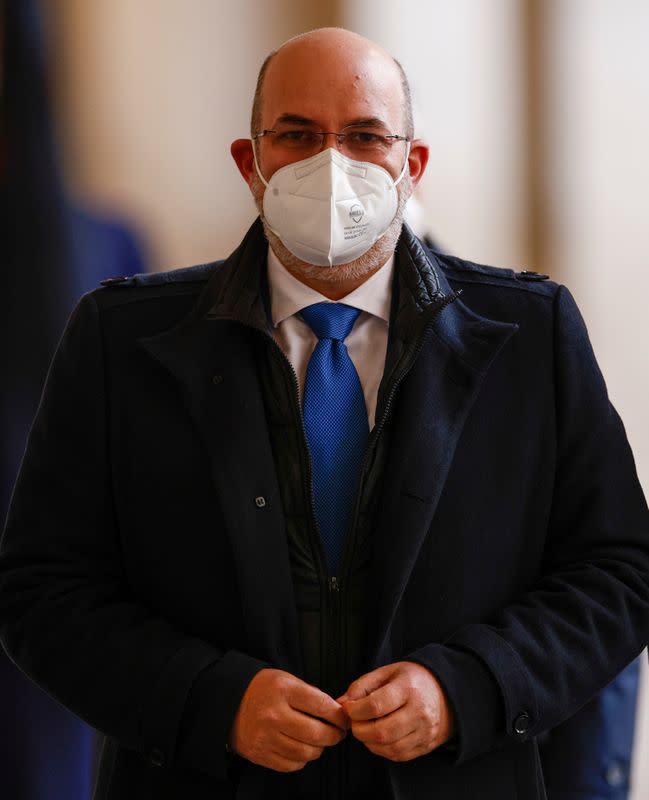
238,288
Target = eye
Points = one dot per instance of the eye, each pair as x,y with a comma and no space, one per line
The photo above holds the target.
296,138
365,138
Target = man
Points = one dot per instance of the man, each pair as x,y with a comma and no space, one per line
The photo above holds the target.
358,549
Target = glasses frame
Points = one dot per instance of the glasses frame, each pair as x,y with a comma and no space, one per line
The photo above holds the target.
340,135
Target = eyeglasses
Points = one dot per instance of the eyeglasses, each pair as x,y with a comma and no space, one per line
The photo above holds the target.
354,141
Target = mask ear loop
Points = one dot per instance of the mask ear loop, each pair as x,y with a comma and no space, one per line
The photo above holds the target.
405,165
254,155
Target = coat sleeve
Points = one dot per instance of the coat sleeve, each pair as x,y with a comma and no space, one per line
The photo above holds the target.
538,660
68,617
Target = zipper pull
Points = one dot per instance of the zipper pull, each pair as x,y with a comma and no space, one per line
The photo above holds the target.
333,583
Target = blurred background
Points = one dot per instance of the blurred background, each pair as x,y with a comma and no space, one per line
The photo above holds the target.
116,125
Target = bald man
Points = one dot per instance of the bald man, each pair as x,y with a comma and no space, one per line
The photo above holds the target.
336,516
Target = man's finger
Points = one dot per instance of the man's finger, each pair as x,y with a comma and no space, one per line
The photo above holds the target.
310,700
295,750
367,683
380,702
313,731
386,730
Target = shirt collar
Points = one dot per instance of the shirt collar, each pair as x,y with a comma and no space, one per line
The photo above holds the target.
288,295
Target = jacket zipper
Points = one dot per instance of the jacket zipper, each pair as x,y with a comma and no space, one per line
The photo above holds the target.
339,584
335,595
329,584
330,620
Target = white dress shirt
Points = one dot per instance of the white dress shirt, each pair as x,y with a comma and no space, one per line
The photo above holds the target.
367,343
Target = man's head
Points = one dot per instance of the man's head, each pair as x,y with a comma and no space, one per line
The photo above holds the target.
326,80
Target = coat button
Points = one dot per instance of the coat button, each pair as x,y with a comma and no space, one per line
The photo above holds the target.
216,379
616,774
522,724
260,502
157,757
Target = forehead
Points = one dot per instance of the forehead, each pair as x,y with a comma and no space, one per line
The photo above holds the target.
332,85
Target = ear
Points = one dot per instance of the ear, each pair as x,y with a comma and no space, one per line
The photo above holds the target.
242,154
417,160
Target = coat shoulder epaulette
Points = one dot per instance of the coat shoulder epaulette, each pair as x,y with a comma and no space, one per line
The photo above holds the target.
197,274
458,269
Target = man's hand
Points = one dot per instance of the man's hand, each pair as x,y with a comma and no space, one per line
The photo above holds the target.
399,711
282,722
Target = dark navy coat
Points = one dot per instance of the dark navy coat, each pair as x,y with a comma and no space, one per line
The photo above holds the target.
142,583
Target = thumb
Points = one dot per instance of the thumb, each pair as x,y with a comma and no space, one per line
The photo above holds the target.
367,684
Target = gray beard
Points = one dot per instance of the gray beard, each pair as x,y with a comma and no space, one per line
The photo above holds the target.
360,267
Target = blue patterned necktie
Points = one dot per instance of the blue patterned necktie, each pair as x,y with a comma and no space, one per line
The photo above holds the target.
335,421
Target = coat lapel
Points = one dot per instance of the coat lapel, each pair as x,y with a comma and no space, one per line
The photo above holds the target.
213,360
428,415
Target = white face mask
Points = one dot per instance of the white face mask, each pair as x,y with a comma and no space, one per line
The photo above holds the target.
329,209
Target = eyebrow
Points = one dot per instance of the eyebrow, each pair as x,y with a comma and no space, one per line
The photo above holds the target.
367,122
297,119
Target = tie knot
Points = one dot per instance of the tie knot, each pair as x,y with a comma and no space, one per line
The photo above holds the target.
330,320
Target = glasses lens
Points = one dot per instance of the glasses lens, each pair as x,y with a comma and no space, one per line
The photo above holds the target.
366,143
297,139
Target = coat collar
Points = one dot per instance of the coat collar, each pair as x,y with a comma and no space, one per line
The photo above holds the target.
211,354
